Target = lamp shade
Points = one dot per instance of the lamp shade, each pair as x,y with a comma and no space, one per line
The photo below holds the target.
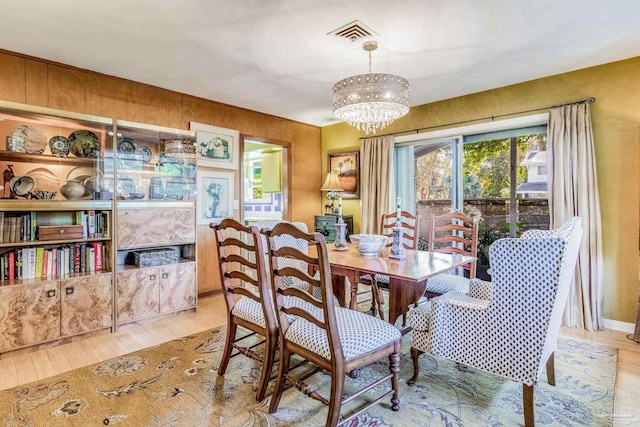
331,183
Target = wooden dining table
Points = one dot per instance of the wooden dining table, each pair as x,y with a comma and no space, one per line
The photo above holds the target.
407,278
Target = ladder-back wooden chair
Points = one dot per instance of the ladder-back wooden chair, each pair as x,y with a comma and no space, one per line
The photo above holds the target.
335,339
453,233
247,296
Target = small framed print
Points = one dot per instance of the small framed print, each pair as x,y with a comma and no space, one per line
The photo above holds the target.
216,147
347,164
215,196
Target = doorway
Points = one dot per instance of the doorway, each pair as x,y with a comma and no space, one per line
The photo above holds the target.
264,178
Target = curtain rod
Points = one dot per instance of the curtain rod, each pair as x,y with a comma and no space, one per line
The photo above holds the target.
589,100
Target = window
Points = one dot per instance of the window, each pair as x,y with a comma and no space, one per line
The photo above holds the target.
499,174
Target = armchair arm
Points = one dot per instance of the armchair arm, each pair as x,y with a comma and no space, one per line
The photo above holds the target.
459,300
480,289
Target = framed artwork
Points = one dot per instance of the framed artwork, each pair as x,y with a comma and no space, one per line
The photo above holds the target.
216,147
215,196
347,164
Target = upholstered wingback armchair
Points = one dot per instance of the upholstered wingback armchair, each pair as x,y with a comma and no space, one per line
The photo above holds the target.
513,332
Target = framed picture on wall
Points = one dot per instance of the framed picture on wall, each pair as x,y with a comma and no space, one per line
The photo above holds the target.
215,196
347,164
216,147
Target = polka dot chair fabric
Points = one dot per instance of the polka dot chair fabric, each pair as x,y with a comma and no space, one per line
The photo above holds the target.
351,325
443,283
337,340
508,327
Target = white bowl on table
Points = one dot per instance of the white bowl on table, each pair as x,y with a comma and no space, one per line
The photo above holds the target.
369,244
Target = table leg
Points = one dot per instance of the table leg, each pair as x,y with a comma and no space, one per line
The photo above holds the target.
338,283
402,295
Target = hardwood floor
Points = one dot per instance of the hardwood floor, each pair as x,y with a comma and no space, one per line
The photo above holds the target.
24,368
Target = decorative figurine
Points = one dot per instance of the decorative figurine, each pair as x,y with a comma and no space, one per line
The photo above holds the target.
340,243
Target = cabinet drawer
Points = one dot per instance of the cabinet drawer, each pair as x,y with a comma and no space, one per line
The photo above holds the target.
177,287
86,304
138,294
29,314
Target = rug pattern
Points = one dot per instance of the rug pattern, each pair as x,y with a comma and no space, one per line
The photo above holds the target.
176,384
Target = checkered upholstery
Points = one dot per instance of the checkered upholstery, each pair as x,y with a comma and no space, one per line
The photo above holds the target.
359,334
513,333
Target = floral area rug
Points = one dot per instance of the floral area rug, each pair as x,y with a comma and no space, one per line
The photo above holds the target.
176,384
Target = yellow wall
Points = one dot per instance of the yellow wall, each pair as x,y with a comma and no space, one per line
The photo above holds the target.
616,125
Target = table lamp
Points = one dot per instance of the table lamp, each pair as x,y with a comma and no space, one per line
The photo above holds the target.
332,186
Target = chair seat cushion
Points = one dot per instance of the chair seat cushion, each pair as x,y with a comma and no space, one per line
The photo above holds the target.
251,310
443,283
420,317
359,334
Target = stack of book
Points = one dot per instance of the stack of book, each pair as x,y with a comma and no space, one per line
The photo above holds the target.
22,226
51,262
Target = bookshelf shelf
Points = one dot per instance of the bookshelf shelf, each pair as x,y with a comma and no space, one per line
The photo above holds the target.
40,280
45,159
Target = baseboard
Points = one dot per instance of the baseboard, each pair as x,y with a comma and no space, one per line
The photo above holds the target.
619,326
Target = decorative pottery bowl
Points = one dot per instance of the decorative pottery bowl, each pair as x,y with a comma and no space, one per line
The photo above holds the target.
72,190
137,195
44,195
368,244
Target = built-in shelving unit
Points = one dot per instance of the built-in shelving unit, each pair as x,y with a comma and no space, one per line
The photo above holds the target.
97,224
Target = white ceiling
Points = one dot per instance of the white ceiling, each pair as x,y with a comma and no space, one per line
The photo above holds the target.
274,56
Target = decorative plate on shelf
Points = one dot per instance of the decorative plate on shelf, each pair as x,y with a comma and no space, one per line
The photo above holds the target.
84,143
126,185
174,189
144,153
126,146
60,146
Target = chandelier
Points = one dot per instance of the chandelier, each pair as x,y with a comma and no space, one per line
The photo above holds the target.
371,101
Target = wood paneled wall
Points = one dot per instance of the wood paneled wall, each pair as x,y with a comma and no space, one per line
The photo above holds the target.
38,82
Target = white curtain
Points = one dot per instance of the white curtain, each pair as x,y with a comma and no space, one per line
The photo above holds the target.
376,179
404,165
573,191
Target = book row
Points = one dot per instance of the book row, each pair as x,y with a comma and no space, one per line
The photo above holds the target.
24,227
41,262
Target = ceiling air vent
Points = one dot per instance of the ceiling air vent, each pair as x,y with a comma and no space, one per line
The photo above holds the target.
353,31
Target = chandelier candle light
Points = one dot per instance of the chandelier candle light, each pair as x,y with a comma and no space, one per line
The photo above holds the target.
397,248
371,101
